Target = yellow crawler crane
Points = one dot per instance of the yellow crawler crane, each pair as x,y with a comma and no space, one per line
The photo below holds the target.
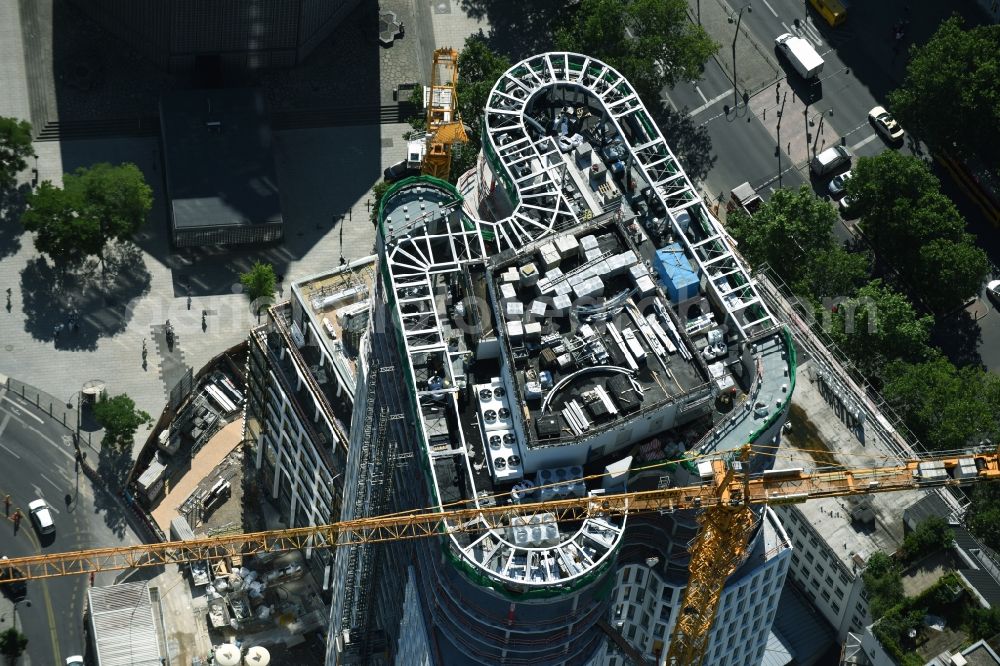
444,124
726,522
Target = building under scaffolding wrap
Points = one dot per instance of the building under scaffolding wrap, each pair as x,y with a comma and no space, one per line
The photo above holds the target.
541,350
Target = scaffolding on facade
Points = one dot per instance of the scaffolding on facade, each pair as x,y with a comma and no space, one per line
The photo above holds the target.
363,641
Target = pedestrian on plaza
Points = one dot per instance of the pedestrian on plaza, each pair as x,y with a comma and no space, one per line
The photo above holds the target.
17,519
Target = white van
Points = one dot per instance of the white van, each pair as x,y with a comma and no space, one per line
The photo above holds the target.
800,54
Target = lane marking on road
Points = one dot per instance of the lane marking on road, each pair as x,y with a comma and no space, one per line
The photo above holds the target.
54,443
21,407
57,487
770,8
710,102
10,452
52,622
3,425
813,33
864,142
701,94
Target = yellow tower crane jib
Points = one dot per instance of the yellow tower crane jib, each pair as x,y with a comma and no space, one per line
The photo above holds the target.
726,523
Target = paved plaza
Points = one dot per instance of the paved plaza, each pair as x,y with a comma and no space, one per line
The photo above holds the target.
325,178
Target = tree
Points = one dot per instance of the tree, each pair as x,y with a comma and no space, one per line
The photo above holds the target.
793,234
119,418
948,273
12,643
479,67
95,205
880,183
15,149
983,515
463,158
950,96
930,536
60,231
879,325
651,42
883,582
946,407
259,281
834,273
378,191
917,230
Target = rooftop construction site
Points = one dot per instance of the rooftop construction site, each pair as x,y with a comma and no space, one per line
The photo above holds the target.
570,300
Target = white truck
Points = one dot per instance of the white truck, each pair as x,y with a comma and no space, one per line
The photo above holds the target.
800,54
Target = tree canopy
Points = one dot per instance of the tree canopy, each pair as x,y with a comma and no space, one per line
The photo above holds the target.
479,67
983,515
930,536
15,149
651,42
119,418
793,233
95,205
916,230
946,407
378,191
879,325
883,582
12,643
950,95
259,281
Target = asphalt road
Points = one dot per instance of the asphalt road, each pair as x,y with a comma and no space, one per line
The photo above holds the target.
863,62
36,460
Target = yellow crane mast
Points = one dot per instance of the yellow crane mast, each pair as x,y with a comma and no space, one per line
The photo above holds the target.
444,124
726,522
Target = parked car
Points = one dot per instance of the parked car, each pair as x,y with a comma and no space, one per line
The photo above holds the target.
839,183
41,515
75,660
847,208
15,590
993,290
830,160
885,124
399,171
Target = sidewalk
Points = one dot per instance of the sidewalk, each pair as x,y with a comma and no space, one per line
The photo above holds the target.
14,101
756,67
206,460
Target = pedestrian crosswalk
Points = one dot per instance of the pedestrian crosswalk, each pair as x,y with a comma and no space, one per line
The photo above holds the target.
810,31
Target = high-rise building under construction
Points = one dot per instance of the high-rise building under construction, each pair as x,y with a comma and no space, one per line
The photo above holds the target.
568,321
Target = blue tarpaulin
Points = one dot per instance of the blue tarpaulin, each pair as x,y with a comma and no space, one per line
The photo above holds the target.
676,272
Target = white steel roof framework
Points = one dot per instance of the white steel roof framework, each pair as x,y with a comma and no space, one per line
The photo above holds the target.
540,206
